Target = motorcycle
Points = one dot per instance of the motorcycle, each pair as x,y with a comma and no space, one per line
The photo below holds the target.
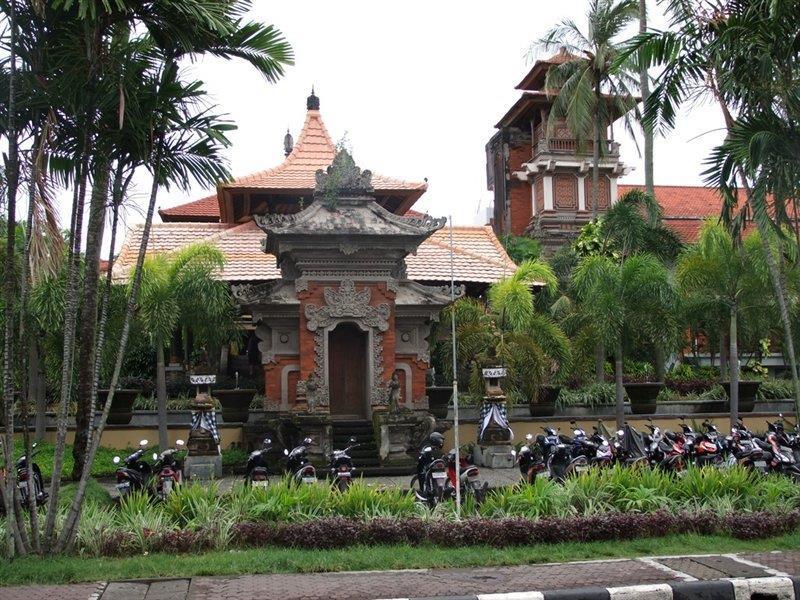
595,448
298,465
256,471
136,472
782,458
746,451
562,462
341,466
168,470
530,461
665,451
629,448
468,477
699,448
23,472
433,484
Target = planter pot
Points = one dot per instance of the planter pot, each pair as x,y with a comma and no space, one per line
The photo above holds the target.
747,394
545,403
439,400
121,411
643,396
235,404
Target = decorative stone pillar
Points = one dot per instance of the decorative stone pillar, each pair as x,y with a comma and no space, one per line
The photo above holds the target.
493,448
203,460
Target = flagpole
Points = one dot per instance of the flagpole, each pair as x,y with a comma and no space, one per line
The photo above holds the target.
455,372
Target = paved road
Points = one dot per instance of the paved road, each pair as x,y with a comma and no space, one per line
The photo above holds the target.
374,585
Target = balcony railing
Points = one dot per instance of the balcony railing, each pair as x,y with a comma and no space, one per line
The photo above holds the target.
573,146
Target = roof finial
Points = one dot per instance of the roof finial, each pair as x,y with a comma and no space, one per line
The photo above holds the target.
288,143
312,103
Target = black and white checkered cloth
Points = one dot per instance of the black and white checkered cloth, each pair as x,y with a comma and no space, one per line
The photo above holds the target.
494,413
207,419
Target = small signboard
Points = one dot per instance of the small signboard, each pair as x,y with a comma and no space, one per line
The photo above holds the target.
494,373
202,379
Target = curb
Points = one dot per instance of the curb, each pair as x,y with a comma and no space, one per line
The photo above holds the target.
765,588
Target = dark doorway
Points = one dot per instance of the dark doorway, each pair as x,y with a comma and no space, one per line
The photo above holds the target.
347,371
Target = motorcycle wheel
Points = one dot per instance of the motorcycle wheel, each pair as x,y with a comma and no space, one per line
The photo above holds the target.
342,484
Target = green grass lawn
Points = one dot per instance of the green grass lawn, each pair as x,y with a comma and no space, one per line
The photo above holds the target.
277,560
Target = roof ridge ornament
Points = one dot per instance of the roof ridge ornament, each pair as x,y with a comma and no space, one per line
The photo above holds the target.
312,102
343,177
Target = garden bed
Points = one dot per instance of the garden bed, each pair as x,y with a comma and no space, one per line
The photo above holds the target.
611,504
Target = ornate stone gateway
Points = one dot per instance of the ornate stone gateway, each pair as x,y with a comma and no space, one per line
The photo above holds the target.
344,331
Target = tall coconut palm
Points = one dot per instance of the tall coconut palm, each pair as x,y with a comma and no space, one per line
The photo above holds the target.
720,274
730,53
647,129
182,290
625,299
594,88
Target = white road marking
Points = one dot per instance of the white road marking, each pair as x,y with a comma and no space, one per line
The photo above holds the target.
674,572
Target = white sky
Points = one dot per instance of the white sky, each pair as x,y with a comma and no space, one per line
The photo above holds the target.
417,86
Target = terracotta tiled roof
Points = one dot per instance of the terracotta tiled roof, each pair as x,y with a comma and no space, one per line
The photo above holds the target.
478,255
202,210
685,208
314,150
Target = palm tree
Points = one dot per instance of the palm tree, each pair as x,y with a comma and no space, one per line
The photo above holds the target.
182,290
632,297
719,275
508,328
740,56
594,88
647,130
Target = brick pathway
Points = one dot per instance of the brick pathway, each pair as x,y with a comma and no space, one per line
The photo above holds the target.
429,583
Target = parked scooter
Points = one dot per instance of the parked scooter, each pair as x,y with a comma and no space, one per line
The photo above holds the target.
699,449
256,471
530,461
747,451
168,470
298,465
782,458
433,484
469,476
136,472
665,450
23,472
341,467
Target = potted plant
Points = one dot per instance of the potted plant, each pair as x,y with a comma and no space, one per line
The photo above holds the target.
128,389
748,390
643,396
543,404
235,396
439,400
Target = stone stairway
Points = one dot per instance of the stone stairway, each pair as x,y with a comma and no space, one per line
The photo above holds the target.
366,458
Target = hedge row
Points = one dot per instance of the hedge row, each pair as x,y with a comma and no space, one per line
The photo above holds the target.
341,532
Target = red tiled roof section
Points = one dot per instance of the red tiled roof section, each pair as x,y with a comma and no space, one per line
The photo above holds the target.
685,208
202,210
314,150
478,255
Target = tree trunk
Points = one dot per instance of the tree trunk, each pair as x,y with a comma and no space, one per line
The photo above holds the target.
734,360
14,540
647,131
70,315
600,363
70,524
37,388
86,347
723,358
619,388
161,395
596,157
660,361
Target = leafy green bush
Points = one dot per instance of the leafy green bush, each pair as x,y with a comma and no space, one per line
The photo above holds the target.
776,389
596,394
686,372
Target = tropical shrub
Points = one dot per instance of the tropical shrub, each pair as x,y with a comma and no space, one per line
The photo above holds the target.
595,394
